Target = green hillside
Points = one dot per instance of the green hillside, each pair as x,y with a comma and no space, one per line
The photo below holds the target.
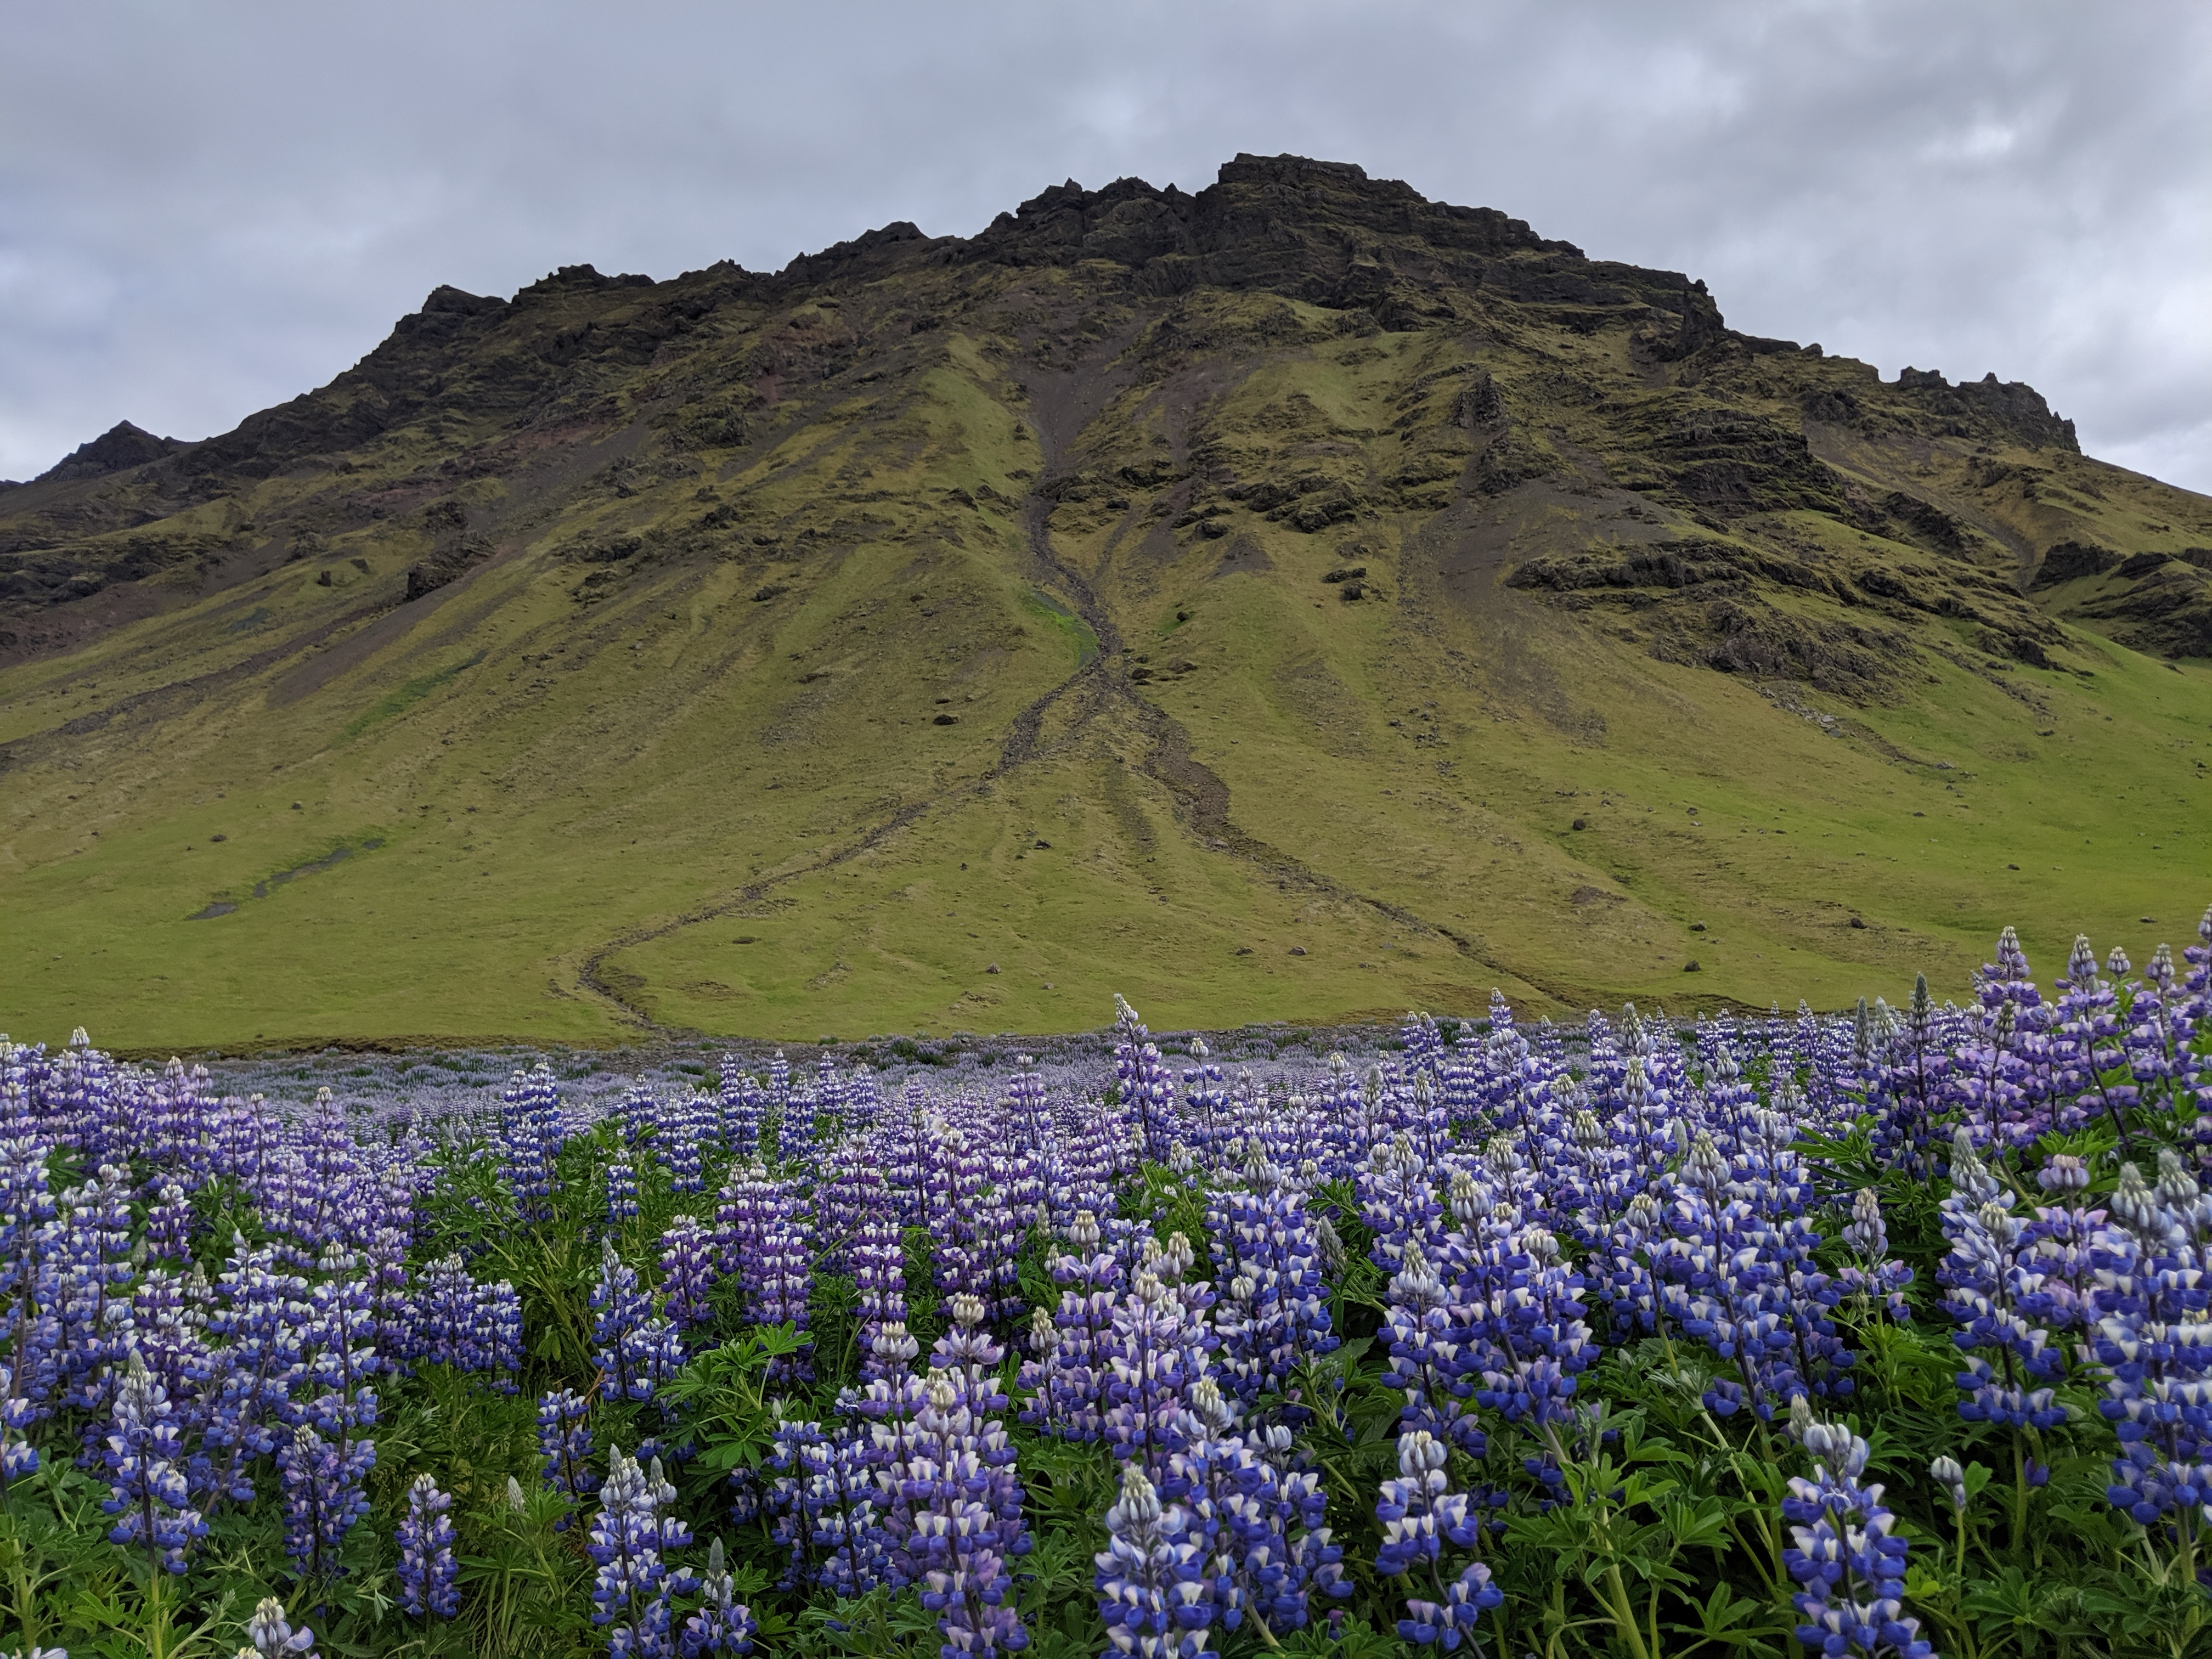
1236,601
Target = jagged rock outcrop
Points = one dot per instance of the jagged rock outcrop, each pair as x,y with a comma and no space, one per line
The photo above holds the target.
121,446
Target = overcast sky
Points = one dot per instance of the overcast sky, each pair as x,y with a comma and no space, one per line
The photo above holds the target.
207,208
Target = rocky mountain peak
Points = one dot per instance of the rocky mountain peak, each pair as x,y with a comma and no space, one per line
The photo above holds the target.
123,444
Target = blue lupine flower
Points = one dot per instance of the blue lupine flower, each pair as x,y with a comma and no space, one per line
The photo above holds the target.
1847,1556
629,1544
147,1488
1151,1585
272,1635
722,1624
323,1498
427,1571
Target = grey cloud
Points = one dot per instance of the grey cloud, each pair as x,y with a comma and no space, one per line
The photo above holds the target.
206,209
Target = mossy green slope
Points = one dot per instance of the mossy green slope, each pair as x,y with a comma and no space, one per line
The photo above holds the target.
939,635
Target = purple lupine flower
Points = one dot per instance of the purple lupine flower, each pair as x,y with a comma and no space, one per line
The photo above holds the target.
863,1101
952,1502
1874,1275
837,1505
564,1442
621,1192
1154,1351
741,1107
147,1488
686,1130
794,1115
1913,1086
1066,1377
1429,1360
1150,1581
972,1227
639,1115
687,1272
1285,1571
1214,1471
1244,1492
1984,1281
427,1571
531,1133
18,1457
499,1324
1206,1104
636,1350
2086,1044
169,1317
1419,1512
1735,1267
969,1357
93,1260
849,1191
169,1226
1847,1556
889,1403
764,1244
322,1497
260,1314
1397,1200
26,1211
784,1507
2151,1341
272,1635
1528,1336
341,1354
451,1331
722,1624
828,1098
1147,1093
878,1259
629,1542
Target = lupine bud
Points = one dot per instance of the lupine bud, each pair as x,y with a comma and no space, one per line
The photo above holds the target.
1866,1233
2131,1202
2063,1174
2177,1187
1801,1418
1946,1473
1332,1247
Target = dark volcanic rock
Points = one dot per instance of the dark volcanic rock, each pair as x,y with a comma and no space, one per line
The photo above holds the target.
2067,559
121,446
425,575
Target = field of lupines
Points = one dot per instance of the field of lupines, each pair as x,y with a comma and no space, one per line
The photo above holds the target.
1883,1335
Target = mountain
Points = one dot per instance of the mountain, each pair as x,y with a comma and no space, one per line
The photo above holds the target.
1295,600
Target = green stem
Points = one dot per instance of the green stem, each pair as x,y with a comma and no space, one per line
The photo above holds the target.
1624,1612
157,1627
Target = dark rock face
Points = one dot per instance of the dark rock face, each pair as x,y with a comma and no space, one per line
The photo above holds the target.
1539,369
1988,407
121,446
1746,463
427,575
2067,559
